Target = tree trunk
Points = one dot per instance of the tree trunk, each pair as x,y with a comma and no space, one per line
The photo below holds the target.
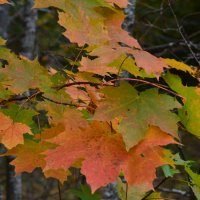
130,18
14,183
29,40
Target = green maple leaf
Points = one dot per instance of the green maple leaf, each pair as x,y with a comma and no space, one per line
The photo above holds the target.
150,108
49,85
195,182
137,111
21,74
118,101
84,193
81,16
20,114
5,92
126,192
189,113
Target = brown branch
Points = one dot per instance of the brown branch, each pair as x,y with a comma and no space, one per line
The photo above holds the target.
60,103
68,104
163,87
13,99
81,83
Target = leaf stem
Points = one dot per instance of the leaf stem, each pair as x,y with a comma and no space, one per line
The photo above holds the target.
120,67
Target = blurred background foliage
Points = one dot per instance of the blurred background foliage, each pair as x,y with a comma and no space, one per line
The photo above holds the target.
157,30
165,31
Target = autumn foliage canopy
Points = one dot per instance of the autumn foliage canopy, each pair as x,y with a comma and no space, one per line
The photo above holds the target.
96,119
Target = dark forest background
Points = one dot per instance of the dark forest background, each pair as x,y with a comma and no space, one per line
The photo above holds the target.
166,30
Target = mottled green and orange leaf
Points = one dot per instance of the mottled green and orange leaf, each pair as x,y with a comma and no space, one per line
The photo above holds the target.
29,155
137,112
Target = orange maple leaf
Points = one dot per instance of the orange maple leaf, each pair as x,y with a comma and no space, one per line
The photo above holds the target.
12,133
121,3
104,155
3,1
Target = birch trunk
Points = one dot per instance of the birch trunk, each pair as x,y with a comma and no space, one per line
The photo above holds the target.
14,183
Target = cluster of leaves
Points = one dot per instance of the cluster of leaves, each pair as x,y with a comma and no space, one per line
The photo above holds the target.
97,120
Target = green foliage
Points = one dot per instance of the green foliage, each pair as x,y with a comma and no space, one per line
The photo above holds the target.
84,193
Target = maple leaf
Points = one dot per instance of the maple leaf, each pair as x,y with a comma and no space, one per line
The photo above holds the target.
105,155
48,85
50,3
130,66
2,41
5,93
3,1
128,127
147,153
12,133
20,73
81,145
99,65
65,4
65,126
195,181
59,174
189,113
178,65
116,102
151,108
83,29
29,155
106,55
117,34
121,3
137,112
77,94
54,112
126,192
148,62
86,25
18,113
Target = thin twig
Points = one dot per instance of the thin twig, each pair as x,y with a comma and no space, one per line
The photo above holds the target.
21,98
81,83
77,57
108,83
181,33
61,103
163,87
150,83
67,103
152,191
120,67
